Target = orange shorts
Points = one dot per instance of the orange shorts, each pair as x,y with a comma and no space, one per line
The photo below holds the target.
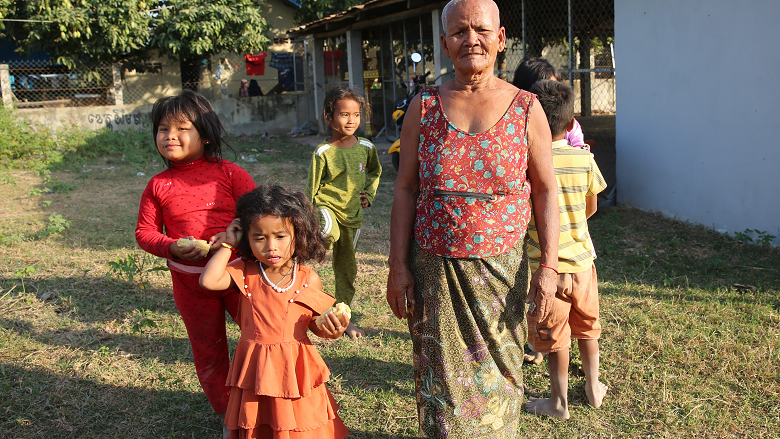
574,313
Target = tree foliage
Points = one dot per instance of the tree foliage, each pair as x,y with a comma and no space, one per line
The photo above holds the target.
87,31
312,10
195,28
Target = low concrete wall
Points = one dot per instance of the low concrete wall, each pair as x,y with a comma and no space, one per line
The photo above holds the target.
274,114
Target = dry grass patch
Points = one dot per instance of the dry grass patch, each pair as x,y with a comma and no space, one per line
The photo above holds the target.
685,353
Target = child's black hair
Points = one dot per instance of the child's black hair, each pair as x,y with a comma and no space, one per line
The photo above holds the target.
557,99
531,70
339,94
289,205
191,106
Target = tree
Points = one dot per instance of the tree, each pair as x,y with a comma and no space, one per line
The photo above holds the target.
77,32
193,28
312,10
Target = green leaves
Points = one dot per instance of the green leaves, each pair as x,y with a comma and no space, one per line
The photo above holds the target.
192,28
108,31
312,10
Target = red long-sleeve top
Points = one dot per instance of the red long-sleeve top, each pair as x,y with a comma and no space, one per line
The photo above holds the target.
192,199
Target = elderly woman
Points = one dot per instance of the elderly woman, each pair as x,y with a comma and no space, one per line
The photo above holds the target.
458,269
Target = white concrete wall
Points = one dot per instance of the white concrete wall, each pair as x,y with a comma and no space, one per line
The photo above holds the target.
274,114
698,93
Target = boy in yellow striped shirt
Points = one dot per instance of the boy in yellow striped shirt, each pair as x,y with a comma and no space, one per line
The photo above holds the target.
575,311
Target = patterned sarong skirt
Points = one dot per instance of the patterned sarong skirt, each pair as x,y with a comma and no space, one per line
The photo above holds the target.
468,331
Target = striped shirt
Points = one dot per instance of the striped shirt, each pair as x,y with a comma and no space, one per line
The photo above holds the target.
578,177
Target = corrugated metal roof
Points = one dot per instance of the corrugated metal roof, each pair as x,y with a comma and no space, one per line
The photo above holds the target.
349,16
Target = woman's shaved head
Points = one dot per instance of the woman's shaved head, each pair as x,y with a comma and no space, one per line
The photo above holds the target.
449,7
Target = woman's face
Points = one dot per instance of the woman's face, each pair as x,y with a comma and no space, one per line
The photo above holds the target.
473,36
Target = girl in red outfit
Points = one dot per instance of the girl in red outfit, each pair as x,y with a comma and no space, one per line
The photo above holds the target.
278,377
195,197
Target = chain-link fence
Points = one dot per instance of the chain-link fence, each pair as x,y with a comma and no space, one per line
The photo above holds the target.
38,83
577,37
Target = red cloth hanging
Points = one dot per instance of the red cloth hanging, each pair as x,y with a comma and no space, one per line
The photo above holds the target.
255,64
332,62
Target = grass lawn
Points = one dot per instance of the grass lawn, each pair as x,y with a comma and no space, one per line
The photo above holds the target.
684,351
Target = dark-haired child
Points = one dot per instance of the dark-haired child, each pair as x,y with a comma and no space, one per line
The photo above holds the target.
195,197
277,376
575,310
343,179
531,70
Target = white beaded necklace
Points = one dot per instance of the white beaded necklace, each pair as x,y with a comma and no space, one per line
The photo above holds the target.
275,286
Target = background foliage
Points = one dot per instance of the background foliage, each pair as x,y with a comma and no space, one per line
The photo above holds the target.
38,149
312,10
82,31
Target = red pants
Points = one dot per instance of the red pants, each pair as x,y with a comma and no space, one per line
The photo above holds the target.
203,313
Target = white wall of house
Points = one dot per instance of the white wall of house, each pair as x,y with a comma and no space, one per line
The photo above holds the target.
698,93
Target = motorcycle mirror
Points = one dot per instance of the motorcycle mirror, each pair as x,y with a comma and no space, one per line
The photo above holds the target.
416,57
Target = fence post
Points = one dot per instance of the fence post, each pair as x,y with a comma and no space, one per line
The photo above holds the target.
318,68
355,59
585,82
118,96
5,84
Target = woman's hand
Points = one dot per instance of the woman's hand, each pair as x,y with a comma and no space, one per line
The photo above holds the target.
233,233
544,284
400,290
191,253
332,327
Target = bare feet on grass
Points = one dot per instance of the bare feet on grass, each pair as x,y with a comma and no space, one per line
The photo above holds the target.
534,357
353,332
546,407
596,393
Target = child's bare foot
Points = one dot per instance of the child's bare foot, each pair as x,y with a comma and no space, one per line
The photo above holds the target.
596,393
546,407
534,357
353,332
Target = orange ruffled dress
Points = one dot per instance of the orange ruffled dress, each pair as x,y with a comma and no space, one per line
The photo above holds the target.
277,377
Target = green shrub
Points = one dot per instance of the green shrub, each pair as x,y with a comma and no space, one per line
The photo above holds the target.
24,146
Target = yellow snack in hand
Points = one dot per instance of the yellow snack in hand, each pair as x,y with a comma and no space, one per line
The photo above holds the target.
337,310
201,244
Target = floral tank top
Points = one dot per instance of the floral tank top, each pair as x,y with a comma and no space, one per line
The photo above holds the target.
474,192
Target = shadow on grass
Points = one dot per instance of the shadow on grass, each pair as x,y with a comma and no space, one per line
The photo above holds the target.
40,404
164,349
402,335
101,303
92,299
644,253
355,434
361,374
374,260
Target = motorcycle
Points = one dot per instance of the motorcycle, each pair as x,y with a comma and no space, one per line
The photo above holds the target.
414,87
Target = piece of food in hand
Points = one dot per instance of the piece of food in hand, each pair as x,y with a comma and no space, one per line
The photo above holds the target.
337,310
201,244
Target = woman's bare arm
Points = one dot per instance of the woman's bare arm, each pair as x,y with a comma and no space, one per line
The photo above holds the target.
544,194
400,285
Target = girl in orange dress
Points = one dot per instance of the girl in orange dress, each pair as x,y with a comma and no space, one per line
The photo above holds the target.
277,376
